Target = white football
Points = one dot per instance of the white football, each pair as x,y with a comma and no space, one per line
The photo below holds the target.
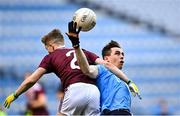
85,18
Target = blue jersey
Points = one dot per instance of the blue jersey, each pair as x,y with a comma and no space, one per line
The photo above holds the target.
115,93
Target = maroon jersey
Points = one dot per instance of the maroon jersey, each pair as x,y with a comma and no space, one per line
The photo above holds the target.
34,91
63,63
32,95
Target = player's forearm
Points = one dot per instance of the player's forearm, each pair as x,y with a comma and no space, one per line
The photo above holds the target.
24,86
82,61
122,76
116,71
30,81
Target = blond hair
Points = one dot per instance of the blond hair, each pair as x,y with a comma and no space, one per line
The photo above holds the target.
54,36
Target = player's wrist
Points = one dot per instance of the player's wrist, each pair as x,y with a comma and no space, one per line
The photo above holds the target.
129,81
15,95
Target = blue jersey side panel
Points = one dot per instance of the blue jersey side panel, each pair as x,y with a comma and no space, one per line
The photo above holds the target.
115,93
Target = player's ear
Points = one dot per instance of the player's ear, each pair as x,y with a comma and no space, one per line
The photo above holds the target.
106,58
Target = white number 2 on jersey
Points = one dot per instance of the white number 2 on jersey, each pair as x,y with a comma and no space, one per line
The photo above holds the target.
73,65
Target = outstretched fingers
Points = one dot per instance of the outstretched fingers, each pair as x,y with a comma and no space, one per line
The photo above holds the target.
70,26
139,96
75,25
6,104
79,29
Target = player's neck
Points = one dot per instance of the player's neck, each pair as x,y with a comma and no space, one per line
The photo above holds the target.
60,46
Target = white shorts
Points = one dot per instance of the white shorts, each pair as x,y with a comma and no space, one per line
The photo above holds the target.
81,99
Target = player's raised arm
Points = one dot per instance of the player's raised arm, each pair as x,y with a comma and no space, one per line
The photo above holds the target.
90,70
119,73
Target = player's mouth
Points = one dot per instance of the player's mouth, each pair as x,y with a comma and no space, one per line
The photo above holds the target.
122,62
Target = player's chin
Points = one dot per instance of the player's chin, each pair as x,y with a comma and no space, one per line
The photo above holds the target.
121,66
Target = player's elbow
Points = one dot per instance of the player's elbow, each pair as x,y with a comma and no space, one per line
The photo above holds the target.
91,71
86,71
89,74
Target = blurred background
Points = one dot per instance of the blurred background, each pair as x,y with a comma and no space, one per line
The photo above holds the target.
148,31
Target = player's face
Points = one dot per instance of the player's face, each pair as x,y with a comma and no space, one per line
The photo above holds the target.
49,48
116,57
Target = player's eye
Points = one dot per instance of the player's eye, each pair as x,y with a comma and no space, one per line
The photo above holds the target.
117,53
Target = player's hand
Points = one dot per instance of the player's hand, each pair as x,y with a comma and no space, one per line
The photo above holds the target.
9,100
134,89
73,34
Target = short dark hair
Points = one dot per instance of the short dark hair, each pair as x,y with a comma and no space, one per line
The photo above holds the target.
106,51
55,36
